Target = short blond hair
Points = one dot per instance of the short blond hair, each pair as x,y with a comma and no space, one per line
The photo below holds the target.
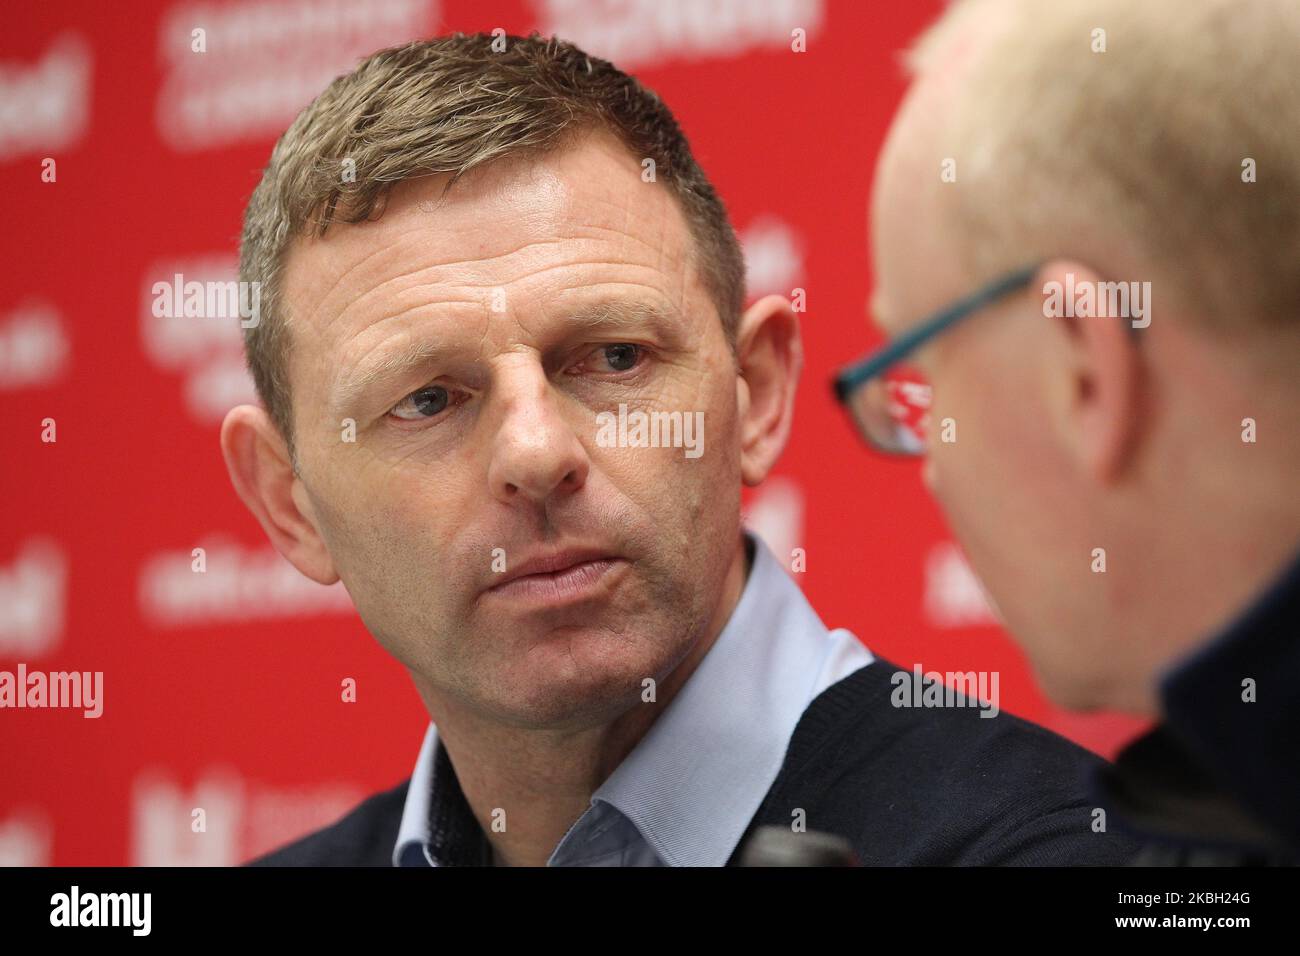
449,105
1065,150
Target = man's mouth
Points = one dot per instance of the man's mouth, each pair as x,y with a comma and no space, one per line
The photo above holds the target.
556,577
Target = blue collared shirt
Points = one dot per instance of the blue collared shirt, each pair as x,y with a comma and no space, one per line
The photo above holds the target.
688,790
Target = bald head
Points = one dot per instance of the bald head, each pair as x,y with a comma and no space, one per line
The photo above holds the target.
1141,137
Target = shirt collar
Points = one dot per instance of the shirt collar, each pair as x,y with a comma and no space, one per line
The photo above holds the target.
413,831
693,783
438,828
1222,769
695,780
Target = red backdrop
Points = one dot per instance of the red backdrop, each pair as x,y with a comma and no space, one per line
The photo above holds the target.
221,690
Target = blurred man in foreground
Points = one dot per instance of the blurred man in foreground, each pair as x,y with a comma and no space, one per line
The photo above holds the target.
1086,225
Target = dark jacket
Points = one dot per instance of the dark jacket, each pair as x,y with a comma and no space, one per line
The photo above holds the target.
903,785
1218,780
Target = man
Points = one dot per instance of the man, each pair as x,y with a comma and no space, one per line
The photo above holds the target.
522,263
1114,418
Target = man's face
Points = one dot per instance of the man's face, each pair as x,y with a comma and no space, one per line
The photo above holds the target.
538,293
1008,485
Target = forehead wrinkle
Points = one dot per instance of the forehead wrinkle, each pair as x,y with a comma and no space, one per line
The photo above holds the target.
588,316
418,224
340,278
406,238
484,283
657,245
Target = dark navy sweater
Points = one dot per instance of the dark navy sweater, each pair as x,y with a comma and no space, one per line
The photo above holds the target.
903,785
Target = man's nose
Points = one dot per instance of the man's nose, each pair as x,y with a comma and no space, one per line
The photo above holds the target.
536,452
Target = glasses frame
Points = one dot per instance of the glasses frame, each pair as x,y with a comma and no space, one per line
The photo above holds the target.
849,379
853,377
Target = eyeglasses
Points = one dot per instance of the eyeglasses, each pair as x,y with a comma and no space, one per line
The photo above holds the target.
889,400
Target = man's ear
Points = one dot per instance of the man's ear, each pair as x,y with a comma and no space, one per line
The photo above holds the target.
1098,402
262,473
770,356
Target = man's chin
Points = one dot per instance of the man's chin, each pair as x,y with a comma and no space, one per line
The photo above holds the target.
577,676
564,707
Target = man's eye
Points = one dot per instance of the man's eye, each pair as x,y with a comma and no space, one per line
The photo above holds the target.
621,356
423,403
